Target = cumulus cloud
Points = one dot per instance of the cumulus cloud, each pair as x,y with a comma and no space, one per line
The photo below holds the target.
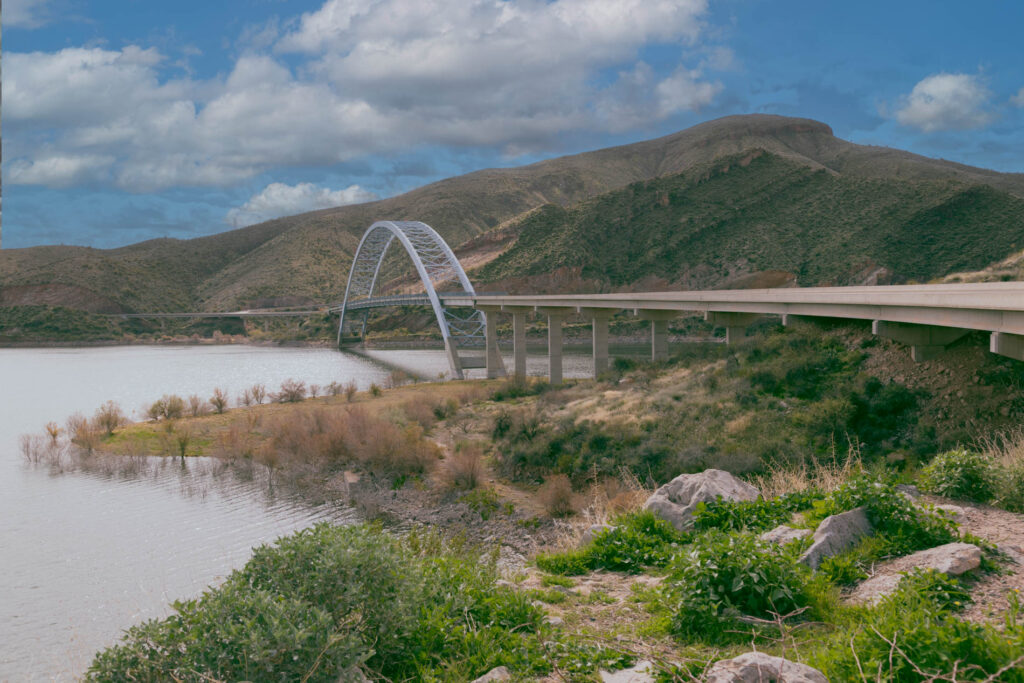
365,78
25,13
278,199
946,102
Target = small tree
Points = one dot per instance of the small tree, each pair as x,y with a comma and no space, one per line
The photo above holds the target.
314,390
219,400
53,430
109,417
196,405
246,398
259,394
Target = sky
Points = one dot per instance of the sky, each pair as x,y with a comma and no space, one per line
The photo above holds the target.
127,120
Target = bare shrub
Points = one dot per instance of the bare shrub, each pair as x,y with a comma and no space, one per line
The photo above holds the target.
245,398
108,417
350,391
314,390
292,391
33,447
53,431
177,439
464,469
420,412
196,406
556,496
82,433
334,389
237,441
219,400
258,393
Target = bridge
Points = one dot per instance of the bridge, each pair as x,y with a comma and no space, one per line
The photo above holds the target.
927,318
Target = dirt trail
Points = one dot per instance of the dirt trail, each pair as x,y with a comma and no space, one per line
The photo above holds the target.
1006,530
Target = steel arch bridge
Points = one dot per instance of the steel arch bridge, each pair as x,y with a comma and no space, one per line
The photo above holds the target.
435,263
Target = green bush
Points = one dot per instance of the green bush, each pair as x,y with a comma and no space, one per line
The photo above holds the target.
753,515
722,576
1009,489
906,526
637,540
329,598
960,474
912,636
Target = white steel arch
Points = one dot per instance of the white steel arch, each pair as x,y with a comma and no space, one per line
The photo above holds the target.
435,263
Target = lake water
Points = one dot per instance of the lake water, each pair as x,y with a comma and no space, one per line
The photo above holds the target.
85,554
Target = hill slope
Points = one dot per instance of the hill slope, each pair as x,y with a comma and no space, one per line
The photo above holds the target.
759,211
307,256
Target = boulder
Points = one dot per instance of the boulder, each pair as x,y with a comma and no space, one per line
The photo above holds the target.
757,667
641,672
951,559
958,513
499,674
837,534
592,531
676,501
783,534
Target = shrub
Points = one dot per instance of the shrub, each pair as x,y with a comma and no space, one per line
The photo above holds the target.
465,467
109,417
327,600
219,400
960,474
722,576
754,515
258,393
350,391
375,389
196,406
169,407
420,412
556,496
292,391
907,527
314,390
82,432
1010,488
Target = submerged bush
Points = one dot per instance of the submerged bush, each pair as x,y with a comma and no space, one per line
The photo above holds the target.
326,600
960,474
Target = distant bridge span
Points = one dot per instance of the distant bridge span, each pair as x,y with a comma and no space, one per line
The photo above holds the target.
925,317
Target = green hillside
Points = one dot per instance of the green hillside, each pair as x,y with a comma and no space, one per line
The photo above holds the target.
759,212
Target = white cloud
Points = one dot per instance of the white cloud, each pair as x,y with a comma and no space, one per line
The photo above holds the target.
946,102
25,13
59,170
278,199
1018,99
372,77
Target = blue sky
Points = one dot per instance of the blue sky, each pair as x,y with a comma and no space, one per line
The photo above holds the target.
126,120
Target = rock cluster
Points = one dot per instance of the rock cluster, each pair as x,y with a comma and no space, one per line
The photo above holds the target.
951,559
757,667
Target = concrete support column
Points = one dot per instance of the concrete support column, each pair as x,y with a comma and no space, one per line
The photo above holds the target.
1005,344
518,338
659,332
735,324
599,321
556,317
492,355
925,341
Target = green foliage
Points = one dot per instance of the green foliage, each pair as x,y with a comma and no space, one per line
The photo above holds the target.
484,501
752,515
519,388
1009,490
724,575
906,526
329,598
912,636
636,540
960,474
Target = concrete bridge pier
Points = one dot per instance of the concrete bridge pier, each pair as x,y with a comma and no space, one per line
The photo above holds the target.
659,332
1005,344
735,324
518,338
556,318
925,341
492,354
599,323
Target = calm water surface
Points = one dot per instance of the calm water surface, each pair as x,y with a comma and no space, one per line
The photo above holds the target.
85,554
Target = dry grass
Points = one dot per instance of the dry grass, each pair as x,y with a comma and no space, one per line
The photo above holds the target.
556,496
464,469
786,478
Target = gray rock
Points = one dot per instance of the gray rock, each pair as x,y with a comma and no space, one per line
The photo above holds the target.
641,672
952,559
353,675
959,514
837,534
554,621
676,500
757,667
909,490
592,531
783,534
499,674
